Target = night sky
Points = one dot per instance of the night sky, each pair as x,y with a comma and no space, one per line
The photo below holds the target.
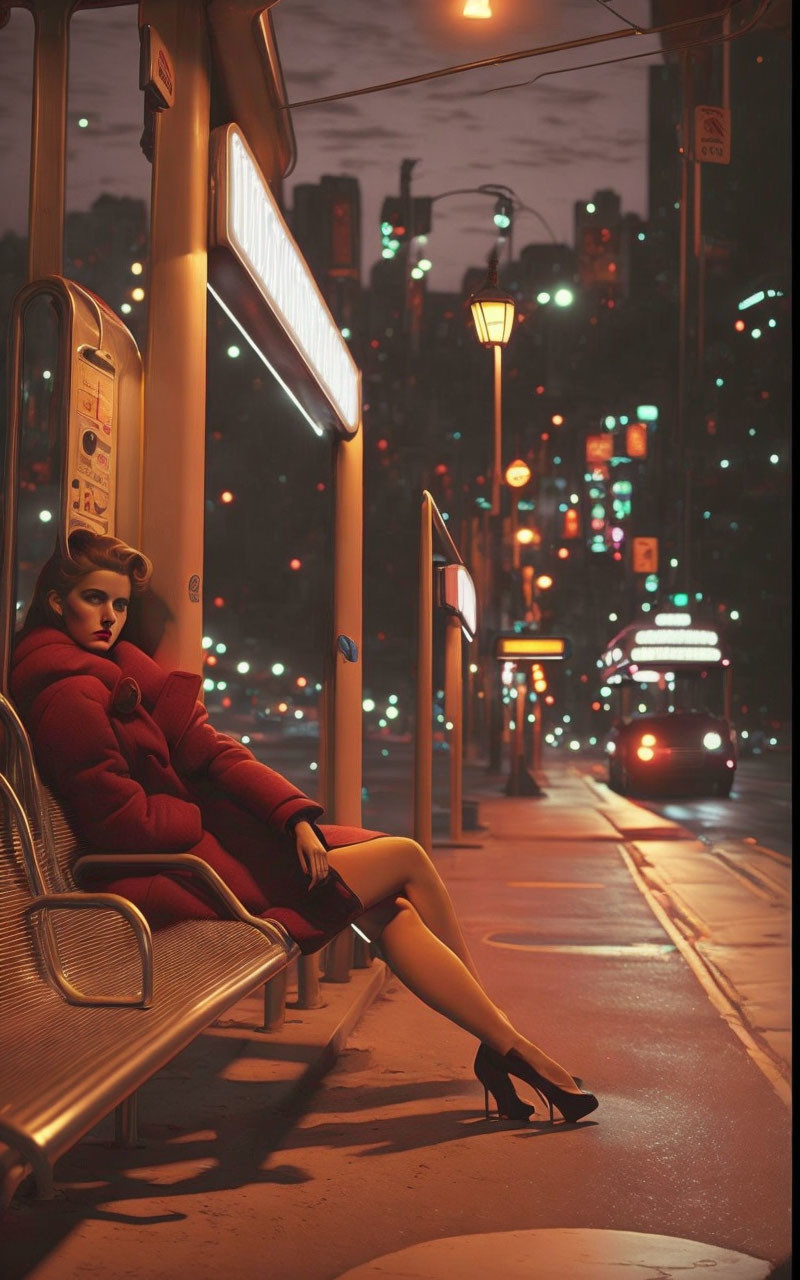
553,142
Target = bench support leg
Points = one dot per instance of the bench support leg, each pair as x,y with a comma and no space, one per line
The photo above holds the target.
309,995
339,957
126,1122
275,1000
362,953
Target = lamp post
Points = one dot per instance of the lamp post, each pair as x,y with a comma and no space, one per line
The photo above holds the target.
493,315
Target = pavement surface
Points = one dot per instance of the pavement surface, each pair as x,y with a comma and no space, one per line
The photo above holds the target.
352,1143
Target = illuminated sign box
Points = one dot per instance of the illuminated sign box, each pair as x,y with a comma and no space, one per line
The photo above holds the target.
516,648
457,595
262,280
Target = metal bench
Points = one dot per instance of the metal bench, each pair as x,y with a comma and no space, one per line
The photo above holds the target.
92,1003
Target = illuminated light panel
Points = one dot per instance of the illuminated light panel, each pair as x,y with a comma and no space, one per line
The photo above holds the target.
315,425
676,653
662,635
458,596
257,234
673,619
509,648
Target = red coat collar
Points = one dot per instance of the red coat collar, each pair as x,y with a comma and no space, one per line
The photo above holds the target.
46,655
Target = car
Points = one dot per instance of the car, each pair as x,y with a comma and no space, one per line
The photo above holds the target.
682,750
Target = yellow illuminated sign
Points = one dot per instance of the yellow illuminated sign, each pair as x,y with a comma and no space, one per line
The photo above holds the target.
530,648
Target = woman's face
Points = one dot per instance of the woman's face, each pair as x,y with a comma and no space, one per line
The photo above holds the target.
95,610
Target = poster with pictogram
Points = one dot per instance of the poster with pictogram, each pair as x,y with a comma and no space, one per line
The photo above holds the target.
712,135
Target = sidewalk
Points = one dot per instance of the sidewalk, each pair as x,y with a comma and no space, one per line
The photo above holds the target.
634,951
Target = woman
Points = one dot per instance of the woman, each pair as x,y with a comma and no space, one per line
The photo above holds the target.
132,755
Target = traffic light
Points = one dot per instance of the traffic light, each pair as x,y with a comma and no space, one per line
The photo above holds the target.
503,213
393,228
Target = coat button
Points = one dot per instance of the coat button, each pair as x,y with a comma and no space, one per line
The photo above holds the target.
127,697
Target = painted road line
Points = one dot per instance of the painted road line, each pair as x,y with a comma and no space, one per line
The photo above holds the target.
637,950
722,1003
554,884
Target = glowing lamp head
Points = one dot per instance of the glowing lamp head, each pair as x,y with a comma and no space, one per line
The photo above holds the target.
492,310
476,9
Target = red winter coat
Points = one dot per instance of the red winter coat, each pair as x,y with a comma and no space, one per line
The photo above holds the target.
130,753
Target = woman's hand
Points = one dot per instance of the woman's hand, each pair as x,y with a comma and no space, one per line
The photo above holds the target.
311,852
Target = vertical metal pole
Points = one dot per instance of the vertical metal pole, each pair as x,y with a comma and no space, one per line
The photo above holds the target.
346,761
537,737
423,736
498,429
345,773
683,271
48,137
515,547
454,711
175,359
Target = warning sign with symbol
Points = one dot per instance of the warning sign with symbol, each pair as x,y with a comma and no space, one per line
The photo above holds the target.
645,555
712,135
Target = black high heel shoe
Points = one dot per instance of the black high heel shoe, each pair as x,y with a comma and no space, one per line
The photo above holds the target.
573,1106
495,1080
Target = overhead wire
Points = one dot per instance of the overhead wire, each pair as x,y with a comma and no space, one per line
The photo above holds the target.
652,53
503,58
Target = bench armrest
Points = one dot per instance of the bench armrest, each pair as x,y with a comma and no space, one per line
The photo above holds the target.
183,864
49,902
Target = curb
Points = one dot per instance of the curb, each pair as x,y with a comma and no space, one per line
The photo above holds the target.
715,985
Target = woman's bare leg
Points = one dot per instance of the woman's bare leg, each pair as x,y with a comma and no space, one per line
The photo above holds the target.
423,944
434,973
391,865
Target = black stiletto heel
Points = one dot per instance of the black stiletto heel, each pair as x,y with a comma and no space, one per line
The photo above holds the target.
495,1080
573,1106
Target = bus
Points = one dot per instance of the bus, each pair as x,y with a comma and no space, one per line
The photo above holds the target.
672,681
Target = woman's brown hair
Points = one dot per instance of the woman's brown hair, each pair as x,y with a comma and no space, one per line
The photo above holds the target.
88,551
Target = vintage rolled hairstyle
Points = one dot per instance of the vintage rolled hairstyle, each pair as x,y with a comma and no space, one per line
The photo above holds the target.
88,551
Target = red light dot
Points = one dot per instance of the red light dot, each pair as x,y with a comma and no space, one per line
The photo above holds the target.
381,635
211,660
549,699
595,706
563,553
441,469
295,564
219,601
739,326
545,435
374,344
301,682
480,479
540,391
617,555
383,445
320,487
611,302
226,702
226,496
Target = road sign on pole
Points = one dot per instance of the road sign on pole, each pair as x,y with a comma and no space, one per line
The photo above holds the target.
712,135
645,555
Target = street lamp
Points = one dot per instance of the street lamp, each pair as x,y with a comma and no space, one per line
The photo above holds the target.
493,315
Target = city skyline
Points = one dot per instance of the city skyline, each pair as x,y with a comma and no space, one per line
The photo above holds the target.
553,142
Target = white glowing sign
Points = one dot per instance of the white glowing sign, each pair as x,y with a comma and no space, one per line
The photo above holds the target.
458,596
675,653
257,234
662,636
